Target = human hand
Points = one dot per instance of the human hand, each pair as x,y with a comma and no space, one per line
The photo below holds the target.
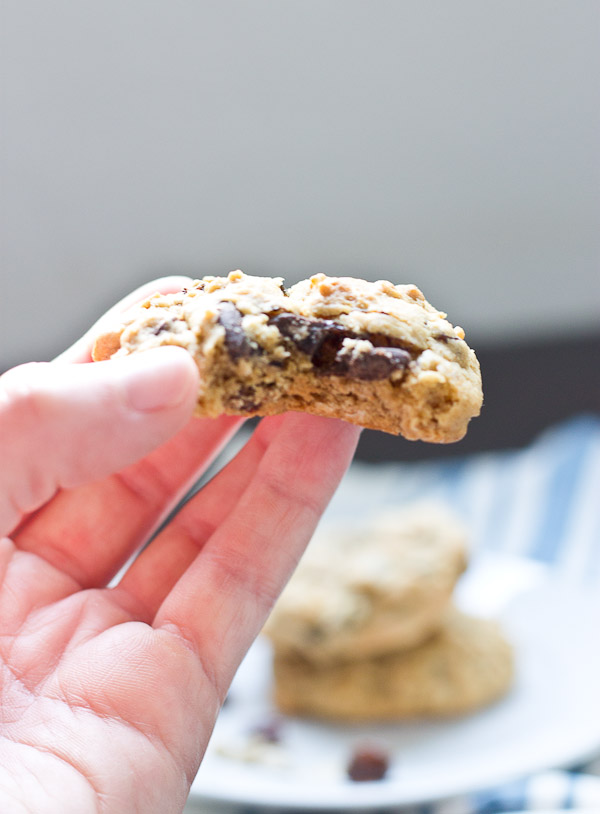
109,694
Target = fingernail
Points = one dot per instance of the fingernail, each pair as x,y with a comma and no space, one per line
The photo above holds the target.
157,379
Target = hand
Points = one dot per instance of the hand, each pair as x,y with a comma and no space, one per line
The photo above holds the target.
109,694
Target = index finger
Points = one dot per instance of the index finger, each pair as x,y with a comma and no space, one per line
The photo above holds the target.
81,350
221,602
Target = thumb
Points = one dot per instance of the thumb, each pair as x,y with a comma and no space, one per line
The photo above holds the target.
64,425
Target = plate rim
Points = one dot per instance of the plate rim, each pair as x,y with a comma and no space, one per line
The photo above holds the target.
367,796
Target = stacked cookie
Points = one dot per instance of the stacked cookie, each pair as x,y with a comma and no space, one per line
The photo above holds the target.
366,629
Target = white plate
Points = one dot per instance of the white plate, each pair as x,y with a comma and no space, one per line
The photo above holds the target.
548,720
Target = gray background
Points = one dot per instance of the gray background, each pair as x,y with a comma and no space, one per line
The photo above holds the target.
450,144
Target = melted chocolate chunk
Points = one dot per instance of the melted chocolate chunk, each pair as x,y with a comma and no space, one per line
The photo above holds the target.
323,339
309,335
369,763
237,343
385,341
376,364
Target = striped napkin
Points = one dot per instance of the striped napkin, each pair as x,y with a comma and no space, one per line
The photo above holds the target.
541,502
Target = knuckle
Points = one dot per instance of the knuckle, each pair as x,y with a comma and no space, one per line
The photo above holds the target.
20,390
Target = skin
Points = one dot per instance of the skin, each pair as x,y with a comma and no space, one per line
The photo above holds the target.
108,695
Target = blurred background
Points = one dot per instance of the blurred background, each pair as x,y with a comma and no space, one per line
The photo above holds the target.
452,145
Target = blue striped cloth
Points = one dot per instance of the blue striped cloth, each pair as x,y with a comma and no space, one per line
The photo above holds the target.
541,502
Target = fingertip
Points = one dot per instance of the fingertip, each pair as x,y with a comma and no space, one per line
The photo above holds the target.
315,447
309,425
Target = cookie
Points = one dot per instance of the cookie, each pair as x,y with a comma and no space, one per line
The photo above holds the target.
376,354
366,592
466,665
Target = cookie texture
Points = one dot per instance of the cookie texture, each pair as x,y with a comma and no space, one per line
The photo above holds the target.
467,664
373,353
361,593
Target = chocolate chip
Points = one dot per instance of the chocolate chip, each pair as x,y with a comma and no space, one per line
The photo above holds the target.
247,406
323,339
245,400
368,763
270,732
237,343
308,335
372,365
161,326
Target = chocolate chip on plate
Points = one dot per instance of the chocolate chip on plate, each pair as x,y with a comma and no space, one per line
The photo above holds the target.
368,763
270,731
